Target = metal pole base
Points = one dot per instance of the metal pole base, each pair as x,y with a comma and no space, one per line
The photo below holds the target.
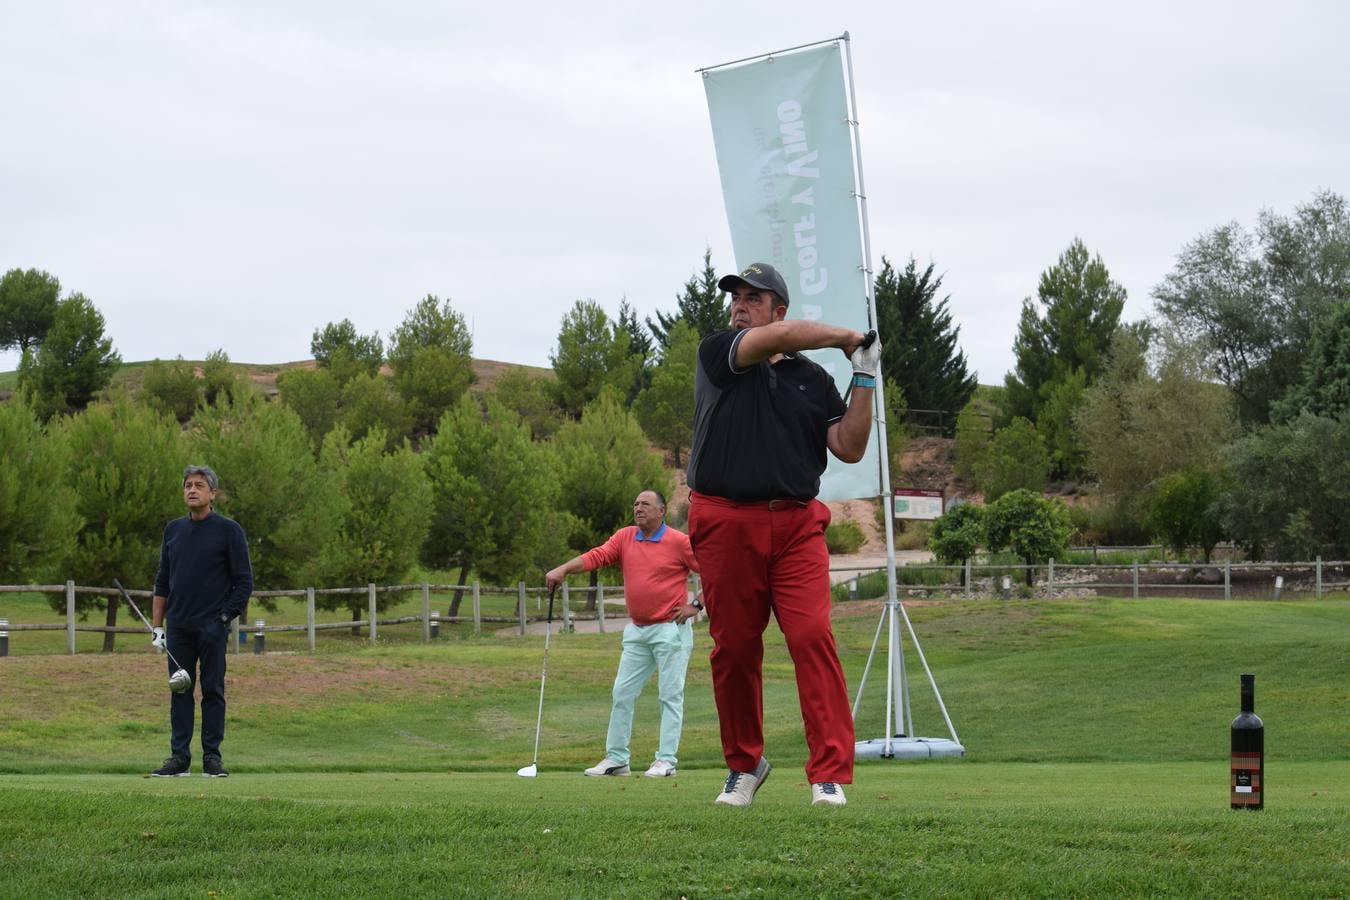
908,748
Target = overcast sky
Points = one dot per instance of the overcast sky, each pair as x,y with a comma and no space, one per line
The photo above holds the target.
235,175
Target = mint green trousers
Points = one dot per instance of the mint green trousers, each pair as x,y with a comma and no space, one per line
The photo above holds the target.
665,649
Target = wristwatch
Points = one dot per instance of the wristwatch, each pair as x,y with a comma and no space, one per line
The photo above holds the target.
696,604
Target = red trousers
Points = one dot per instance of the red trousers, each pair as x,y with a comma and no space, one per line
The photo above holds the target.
760,557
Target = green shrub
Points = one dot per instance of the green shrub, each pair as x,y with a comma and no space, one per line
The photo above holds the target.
844,537
172,388
913,535
873,585
1110,522
870,587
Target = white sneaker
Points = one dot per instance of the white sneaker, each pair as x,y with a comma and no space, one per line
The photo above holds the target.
741,786
661,769
827,793
608,766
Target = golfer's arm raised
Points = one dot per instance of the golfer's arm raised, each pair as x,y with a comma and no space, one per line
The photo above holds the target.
847,438
790,336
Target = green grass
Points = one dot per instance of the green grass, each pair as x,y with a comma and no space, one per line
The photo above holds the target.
911,830
1096,735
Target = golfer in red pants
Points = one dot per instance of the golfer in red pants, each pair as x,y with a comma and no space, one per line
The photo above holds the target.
764,419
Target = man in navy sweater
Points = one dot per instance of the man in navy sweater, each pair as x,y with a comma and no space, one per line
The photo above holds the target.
204,581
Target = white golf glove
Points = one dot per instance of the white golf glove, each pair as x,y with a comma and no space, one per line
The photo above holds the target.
159,642
867,359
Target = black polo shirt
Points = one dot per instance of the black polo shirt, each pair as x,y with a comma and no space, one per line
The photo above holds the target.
759,433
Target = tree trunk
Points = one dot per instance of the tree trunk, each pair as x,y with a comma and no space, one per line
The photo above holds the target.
590,598
356,617
111,621
459,590
1031,573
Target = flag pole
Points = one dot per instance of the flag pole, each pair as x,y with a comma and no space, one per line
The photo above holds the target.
895,675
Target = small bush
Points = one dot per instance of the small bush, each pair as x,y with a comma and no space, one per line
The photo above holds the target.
844,537
870,587
873,586
1109,522
914,536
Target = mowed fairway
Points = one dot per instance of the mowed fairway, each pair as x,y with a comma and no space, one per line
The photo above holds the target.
1097,765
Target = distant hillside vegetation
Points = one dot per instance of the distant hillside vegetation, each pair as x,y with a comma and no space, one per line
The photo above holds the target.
131,374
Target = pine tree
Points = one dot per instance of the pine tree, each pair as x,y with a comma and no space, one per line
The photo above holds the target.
702,304
918,340
1082,308
639,348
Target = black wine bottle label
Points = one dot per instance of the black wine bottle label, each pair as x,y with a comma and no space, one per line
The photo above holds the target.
1245,786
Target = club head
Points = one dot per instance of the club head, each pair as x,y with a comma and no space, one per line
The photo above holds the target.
529,771
180,681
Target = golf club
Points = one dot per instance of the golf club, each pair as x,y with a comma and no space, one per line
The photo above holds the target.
533,768
181,680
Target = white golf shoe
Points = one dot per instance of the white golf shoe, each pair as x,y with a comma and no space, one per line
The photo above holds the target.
741,786
827,793
608,766
661,769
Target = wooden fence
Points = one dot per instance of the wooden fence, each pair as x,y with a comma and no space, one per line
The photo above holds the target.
1255,580
431,620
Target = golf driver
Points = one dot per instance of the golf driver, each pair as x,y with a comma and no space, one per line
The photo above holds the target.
181,680
533,768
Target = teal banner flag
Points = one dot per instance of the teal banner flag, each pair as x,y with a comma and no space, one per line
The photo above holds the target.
785,154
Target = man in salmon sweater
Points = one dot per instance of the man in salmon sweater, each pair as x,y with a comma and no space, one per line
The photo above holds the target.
656,561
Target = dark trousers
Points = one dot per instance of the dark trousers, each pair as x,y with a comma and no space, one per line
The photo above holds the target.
757,559
202,648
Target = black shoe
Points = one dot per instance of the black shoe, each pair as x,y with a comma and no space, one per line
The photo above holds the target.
174,767
212,768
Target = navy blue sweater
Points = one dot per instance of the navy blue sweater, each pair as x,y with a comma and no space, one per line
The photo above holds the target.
204,571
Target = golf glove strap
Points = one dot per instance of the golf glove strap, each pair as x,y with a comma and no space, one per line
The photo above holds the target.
867,360
158,641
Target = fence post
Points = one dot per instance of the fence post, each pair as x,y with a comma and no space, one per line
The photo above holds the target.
968,574
1227,580
1050,578
567,610
1094,554
1134,580
1318,595
370,606
520,603
259,637
309,615
477,611
70,616
234,636
1279,585
600,605
4,637
426,613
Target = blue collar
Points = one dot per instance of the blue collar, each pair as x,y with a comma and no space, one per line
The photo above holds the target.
655,538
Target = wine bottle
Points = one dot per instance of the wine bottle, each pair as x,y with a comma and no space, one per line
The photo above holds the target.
1247,781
